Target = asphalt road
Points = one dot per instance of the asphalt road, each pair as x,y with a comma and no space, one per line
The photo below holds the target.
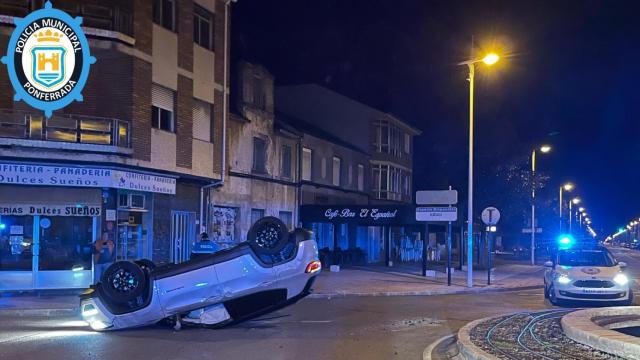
341,328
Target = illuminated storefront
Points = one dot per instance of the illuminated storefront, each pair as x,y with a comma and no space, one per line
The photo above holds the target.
51,216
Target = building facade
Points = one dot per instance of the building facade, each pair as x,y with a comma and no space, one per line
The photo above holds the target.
134,161
376,222
262,177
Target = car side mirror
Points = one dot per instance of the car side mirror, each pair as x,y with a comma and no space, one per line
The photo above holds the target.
548,264
622,264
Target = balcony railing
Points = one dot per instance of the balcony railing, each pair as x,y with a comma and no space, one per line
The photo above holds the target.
79,129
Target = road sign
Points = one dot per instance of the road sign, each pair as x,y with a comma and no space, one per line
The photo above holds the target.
436,214
437,197
528,230
490,216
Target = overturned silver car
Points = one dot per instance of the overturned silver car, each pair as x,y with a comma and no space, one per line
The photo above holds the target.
272,269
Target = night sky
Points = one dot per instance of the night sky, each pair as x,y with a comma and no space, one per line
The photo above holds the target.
566,79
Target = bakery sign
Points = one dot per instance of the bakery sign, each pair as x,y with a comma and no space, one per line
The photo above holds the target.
27,174
50,210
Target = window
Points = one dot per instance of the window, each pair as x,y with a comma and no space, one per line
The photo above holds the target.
163,105
337,167
287,218
258,92
164,13
323,168
407,143
202,120
202,27
350,175
285,170
387,138
259,155
256,214
360,177
306,163
391,183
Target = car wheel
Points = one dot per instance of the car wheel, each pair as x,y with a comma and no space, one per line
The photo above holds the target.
552,295
123,281
146,265
546,292
268,236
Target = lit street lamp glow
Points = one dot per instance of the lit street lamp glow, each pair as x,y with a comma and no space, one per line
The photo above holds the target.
545,148
568,187
491,59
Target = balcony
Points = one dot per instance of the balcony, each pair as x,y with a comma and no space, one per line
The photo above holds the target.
67,132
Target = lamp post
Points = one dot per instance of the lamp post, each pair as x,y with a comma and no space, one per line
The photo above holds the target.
543,149
565,187
574,201
489,59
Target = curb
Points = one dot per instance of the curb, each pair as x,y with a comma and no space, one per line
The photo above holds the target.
420,293
579,327
426,354
468,350
40,312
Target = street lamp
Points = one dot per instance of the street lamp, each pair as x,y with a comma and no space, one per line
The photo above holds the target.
489,60
543,149
565,187
574,201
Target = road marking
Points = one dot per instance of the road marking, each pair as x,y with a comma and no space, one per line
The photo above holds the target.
316,321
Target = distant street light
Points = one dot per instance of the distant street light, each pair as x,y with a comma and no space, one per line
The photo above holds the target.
543,149
574,201
489,59
565,187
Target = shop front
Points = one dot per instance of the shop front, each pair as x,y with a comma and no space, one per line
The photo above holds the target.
365,234
51,216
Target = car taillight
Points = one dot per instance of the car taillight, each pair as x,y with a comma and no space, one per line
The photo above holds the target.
313,266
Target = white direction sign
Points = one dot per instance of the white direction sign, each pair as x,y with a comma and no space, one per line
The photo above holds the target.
490,216
437,197
436,214
528,230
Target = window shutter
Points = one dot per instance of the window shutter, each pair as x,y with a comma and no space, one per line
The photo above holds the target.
162,97
201,120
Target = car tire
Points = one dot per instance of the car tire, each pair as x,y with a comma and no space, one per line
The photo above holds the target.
268,236
546,292
551,293
123,281
146,265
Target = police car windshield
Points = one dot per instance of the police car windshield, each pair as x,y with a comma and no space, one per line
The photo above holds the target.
585,258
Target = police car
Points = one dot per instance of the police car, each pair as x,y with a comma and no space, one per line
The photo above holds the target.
272,269
586,273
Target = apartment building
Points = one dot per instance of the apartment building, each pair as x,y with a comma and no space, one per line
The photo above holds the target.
135,161
262,161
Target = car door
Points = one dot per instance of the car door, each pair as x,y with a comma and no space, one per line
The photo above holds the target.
244,275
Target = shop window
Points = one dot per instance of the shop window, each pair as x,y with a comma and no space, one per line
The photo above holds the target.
202,27
286,161
66,243
16,242
259,156
131,201
307,155
256,214
164,14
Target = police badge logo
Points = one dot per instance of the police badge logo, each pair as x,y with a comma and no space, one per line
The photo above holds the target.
48,59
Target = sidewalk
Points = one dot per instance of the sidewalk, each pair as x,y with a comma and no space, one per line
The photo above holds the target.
43,303
383,281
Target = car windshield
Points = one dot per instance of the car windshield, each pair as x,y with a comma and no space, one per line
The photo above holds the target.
585,258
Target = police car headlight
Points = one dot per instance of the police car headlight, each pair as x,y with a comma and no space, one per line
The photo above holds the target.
621,279
564,279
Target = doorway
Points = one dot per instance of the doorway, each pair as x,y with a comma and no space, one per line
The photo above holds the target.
183,235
